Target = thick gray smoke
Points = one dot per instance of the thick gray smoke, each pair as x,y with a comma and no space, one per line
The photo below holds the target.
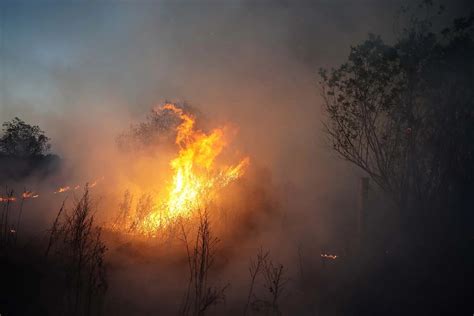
85,71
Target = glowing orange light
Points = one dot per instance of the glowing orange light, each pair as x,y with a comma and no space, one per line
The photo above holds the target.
197,178
29,195
8,199
328,256
62,189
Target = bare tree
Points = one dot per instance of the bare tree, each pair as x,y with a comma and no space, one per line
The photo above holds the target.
255,268
200,294
275,282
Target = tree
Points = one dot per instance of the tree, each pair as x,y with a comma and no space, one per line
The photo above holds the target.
20,139
404,113
158,127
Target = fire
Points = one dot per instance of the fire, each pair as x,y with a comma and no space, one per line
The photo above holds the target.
8,199
29,195
67,188
196,178
328,256
62,189
93,183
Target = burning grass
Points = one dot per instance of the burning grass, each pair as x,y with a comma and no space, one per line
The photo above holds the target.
197,178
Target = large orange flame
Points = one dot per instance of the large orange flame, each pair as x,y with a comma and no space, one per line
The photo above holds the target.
196,177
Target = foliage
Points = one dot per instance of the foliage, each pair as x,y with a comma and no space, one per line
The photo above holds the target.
404,112
23,140
157,128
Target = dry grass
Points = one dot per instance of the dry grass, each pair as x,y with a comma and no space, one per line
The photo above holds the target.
200,294
78,249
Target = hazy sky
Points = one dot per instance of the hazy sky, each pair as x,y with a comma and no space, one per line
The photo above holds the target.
54,53
90,68
140,51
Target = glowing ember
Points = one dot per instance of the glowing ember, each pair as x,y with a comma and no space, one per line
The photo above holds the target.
62,189
77,186
93,183
8,199
29,195
328,256
196,177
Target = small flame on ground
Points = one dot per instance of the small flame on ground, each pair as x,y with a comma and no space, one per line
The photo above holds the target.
328,256
62,189
95,182
29,195
77,186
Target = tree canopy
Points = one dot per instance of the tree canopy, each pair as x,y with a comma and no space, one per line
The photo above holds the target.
23,140
404,113
158,127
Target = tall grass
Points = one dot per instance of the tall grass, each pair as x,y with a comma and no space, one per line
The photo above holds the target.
6,231
201,251
79,250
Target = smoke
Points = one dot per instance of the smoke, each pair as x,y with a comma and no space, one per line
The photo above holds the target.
85,72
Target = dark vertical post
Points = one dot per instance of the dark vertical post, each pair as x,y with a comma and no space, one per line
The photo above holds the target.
362,212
